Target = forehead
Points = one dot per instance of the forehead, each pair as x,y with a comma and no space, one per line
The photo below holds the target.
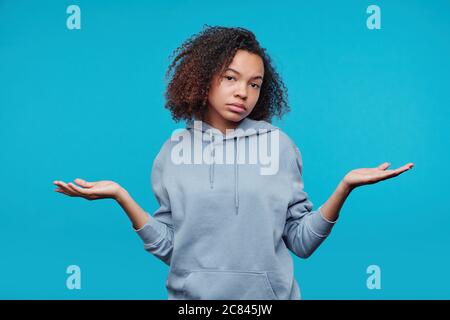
247,63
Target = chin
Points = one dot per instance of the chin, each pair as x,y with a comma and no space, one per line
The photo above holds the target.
234,117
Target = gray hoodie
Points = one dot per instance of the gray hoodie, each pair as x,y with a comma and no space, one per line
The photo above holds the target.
224,225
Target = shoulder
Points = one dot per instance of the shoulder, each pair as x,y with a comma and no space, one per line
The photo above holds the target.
289,152
288,148
163,153
287,144
262,125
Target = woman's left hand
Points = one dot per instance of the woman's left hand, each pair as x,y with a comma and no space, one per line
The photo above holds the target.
359,177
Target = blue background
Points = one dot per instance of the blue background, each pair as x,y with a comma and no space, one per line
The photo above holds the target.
89,103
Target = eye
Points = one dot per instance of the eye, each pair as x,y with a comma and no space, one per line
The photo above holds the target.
229,78
255,85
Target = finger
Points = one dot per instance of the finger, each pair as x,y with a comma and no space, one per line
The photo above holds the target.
402,169
57,182
76,189
383,175
391,174
64,190
384,165
396,172
84,183
65,187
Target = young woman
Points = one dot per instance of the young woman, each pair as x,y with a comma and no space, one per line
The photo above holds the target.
225,226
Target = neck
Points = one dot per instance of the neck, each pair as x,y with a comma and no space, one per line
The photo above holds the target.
215,120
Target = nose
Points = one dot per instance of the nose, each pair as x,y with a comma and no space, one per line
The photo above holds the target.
241,91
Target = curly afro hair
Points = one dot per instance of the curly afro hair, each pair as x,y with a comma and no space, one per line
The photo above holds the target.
209,53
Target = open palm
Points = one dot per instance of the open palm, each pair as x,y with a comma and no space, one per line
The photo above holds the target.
88,190
359,177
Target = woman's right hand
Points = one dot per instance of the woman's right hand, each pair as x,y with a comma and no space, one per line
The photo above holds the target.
89,190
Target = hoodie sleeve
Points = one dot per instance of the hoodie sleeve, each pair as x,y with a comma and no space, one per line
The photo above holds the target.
305,229
157,233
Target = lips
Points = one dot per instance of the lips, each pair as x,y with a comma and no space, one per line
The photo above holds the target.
237,107
241,105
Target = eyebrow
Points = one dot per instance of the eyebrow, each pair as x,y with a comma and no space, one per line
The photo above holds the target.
255,77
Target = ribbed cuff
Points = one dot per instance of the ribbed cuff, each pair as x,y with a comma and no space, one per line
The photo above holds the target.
152,231
320,225
321,213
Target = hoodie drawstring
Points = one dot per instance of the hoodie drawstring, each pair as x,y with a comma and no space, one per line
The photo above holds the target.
246,124
211,166
236,169
236,177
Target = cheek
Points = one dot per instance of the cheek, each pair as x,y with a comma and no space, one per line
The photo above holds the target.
255,96
213,95
218,93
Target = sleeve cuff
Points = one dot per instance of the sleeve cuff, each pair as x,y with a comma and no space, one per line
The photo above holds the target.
152,231
319,225
321,214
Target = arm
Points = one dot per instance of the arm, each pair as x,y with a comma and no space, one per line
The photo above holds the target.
356,178
103,190
332,207
135,213
155,231
306,228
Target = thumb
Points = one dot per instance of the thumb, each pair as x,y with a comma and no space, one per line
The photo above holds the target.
84,183
384,165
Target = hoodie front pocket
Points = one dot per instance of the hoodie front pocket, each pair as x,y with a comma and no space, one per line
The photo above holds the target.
227,285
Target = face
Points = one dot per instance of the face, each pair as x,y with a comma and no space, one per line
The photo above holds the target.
234,93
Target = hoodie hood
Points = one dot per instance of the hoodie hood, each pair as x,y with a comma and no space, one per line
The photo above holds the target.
241,132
